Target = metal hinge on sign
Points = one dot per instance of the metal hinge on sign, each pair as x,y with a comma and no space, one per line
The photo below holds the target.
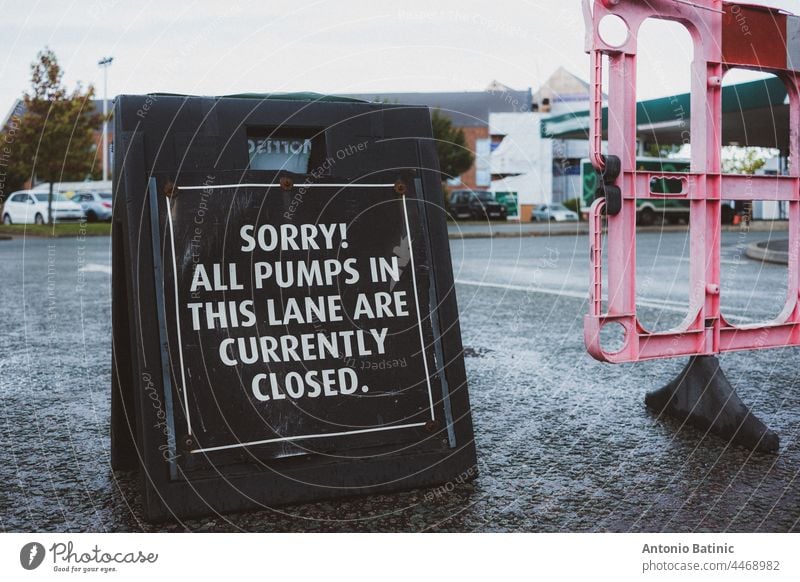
612,166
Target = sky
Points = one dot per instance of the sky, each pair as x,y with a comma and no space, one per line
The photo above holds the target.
213,47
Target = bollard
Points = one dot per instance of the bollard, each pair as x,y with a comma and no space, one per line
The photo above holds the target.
702,396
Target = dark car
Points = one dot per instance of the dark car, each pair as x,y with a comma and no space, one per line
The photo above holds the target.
476,204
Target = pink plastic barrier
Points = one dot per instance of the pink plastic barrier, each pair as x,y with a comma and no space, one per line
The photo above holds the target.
725,35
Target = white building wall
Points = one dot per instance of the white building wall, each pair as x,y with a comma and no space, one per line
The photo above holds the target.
523,155
483,170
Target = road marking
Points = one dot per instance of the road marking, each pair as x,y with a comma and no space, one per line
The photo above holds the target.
663,304
95,268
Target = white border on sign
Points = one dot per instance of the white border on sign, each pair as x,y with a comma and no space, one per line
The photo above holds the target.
178,321
311,436
416,301
227,186
306,436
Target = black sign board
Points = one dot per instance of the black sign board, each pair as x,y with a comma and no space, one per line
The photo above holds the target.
285,325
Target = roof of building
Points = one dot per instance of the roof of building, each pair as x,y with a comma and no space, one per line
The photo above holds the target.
562,86
464,108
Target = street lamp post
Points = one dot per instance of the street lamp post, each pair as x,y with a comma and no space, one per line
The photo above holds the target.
104,63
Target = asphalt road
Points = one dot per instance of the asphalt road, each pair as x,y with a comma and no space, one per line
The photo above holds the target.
564,443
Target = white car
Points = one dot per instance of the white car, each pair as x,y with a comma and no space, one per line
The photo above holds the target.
29,207
96,205
554,212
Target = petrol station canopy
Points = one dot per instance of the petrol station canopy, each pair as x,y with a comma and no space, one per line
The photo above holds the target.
753,114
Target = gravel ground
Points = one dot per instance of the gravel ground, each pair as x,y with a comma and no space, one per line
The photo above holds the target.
564,443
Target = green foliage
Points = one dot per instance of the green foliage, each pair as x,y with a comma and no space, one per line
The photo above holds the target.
574,204
12,173
53,140
455,158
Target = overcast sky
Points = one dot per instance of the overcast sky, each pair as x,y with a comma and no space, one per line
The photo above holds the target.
214,47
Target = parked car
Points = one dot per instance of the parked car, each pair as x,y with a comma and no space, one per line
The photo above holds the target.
653,211
554,212
96,205
476,204
29,207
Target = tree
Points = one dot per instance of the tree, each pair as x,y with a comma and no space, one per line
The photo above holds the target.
54,140
12,174
451,147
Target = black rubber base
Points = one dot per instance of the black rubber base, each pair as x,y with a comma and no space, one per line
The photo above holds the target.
702,396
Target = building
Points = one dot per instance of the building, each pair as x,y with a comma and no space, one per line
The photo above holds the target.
469,111
521,159
562,93
526,160
754,114
502,127
532,144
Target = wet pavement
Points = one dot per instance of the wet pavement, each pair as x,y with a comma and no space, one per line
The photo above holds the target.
564,443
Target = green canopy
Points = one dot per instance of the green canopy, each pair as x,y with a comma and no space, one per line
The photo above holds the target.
753,114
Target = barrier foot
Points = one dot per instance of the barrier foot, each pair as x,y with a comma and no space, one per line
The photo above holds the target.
702,396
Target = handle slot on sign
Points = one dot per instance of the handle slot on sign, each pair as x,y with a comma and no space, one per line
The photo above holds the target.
668,185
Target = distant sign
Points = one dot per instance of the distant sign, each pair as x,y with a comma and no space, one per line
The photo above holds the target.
275,153
285,326
510,201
